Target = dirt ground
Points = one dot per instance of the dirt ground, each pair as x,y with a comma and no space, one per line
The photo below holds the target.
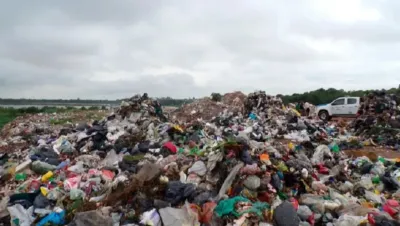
365,151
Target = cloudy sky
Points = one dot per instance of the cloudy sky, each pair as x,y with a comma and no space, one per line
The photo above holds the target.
112,49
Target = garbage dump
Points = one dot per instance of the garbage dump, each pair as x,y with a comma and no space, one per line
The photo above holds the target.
264,165
379,120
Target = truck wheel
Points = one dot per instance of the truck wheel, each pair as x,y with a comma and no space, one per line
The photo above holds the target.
323,115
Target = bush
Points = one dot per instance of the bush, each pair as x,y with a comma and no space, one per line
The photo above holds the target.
216,97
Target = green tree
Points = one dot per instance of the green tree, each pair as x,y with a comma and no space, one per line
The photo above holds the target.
216,97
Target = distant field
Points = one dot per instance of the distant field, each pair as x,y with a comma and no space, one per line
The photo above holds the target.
9,114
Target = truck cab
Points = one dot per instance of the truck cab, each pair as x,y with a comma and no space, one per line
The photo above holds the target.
342,106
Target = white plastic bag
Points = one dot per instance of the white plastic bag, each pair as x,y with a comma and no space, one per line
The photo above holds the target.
23,215
320,152
198,168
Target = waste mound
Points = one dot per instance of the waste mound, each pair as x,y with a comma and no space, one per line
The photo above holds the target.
378,123
266,165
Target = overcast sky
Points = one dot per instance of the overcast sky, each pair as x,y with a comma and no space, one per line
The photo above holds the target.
107,49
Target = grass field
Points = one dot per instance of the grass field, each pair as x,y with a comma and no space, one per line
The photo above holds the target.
9,114
6,117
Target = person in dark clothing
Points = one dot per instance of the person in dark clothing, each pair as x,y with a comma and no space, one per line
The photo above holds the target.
144,97
159,111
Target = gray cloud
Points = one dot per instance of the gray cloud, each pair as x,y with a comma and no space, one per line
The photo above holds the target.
113,49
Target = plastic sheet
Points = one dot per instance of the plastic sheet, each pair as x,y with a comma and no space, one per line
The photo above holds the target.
229,180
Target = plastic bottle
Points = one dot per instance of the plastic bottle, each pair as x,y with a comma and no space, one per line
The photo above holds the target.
47,176
63,164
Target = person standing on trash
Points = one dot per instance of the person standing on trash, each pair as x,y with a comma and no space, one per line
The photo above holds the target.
144,97
300,107
159,111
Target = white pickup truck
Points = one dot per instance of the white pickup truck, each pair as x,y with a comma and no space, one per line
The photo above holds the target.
342,106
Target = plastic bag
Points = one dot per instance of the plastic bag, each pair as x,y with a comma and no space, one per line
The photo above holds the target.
179,217
304,212
55,194
252,182
213,159
3,207
354,209
177,192
370,196
227,206
76,194
91,161
346,187
199,168
378,169
72,182
336,196
62,145
207,212
20,214
320,152
348,220
151,217
55,218
366,182
111,159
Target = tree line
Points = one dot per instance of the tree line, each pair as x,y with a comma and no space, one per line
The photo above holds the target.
319,96
323,96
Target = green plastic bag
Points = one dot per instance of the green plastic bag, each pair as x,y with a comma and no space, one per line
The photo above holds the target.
335,148
181,150
282,167
195,151
226,207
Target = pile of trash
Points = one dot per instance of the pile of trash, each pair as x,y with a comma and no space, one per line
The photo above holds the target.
206,108
379,120
134,167
235,100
